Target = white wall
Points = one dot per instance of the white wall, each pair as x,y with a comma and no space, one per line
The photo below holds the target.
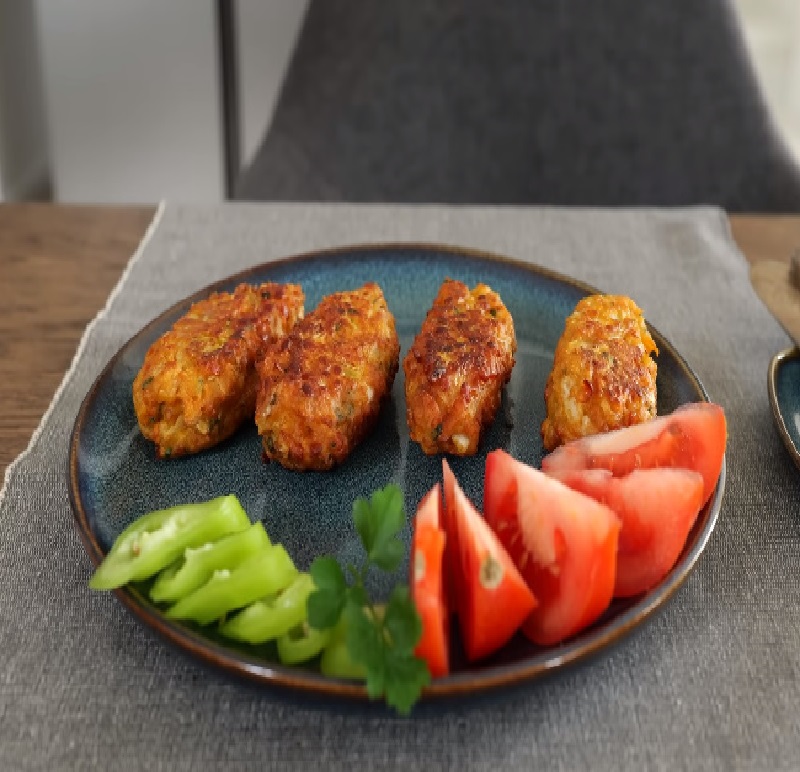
133,99
772,32
23,138
133,93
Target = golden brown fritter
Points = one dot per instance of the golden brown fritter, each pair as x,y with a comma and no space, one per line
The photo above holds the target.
198,381
603,376
457,367
321,387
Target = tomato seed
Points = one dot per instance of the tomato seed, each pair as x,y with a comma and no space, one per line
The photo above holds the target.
491,573
419,566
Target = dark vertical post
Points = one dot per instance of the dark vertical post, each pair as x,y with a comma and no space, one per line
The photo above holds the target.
229,91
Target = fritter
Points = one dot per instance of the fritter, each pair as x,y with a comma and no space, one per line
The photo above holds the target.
198,382
321,387
456,368
603,376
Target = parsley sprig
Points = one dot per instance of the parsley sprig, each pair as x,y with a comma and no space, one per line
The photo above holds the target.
381,639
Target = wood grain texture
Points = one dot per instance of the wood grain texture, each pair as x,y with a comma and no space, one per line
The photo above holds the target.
59,263
766,237
772,283
770,244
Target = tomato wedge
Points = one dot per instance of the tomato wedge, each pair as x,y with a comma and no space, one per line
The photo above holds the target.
563,542
691,437
499,487
493,598
452,552
657,507
427,588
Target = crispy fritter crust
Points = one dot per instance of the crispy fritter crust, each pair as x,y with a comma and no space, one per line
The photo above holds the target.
198,381
321,388
457,367
603,376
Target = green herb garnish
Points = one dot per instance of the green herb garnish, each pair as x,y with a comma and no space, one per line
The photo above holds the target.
380,639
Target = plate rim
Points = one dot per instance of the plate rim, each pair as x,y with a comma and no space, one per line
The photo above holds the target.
467,682
788,354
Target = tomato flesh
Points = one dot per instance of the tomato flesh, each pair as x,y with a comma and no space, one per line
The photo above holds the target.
493,598
499,486
452,552
563,543
427,587
692,437
657,508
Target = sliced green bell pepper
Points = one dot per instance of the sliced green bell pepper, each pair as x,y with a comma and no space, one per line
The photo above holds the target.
199,563
301,644
157,539
264,574
336,661
270,618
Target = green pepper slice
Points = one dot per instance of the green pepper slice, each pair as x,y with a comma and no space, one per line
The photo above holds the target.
336,661
199,563
158,538
230,589
270,618
301,644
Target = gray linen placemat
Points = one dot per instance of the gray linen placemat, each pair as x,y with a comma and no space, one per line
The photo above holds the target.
713,682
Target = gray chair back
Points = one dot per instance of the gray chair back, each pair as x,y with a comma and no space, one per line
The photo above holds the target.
575,102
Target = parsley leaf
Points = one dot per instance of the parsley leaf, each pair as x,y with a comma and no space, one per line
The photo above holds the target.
381,640
328,575
390,555
365,644
324,607
404,677
402,622
378,521
358,595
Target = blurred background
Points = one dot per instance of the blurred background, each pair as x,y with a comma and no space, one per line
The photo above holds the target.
110,101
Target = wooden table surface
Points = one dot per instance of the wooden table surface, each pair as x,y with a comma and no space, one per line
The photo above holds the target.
58,265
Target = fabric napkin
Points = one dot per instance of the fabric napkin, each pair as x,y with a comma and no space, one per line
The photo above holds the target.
712,682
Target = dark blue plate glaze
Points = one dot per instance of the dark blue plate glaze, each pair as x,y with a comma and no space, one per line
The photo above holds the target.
115,477
784,395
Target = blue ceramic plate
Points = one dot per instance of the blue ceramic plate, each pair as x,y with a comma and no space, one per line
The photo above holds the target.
784,397
115,476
